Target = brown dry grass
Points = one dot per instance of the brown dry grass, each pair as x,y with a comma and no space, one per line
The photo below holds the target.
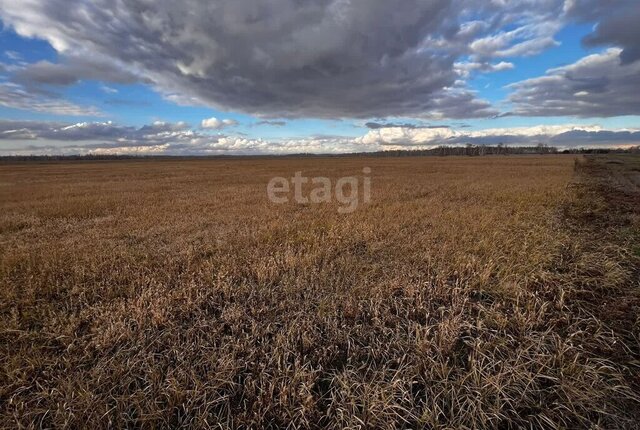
468,294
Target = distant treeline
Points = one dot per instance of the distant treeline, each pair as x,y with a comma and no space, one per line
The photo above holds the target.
468,150
480,150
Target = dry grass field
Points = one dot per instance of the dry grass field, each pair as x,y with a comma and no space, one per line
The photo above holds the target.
490,292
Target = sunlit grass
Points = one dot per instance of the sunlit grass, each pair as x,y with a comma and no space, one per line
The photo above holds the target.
173,293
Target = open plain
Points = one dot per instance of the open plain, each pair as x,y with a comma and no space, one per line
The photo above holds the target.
469,292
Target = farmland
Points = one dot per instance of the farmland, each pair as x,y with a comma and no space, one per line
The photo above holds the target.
496,291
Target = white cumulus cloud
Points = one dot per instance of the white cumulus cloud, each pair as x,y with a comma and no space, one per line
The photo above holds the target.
218,124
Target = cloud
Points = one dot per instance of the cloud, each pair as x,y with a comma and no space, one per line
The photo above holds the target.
32,86
157,133
324,59
289,58
536,35
379,125
465,69
108,90
529,47
26,130
127,102
561,136
17,97
595,86
34,137
72,70
13,55
272,123
218,124
158,138
617,26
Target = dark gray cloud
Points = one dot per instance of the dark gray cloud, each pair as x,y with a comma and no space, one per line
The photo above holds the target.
595,86
70,71
314,58
273,123
617,24
289,58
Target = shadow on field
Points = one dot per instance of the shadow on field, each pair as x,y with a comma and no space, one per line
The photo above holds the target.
607,214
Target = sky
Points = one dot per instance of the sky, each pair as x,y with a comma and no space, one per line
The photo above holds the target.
225,77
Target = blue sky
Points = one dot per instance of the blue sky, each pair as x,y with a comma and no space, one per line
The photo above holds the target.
347,76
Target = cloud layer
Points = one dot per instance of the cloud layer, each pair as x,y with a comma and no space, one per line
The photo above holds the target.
290,58
16,97
327,58
32,137
617,24
560,135
598,85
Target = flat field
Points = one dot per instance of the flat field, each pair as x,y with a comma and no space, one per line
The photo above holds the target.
468,293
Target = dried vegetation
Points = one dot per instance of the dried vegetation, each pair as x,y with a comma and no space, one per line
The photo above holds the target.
493,292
